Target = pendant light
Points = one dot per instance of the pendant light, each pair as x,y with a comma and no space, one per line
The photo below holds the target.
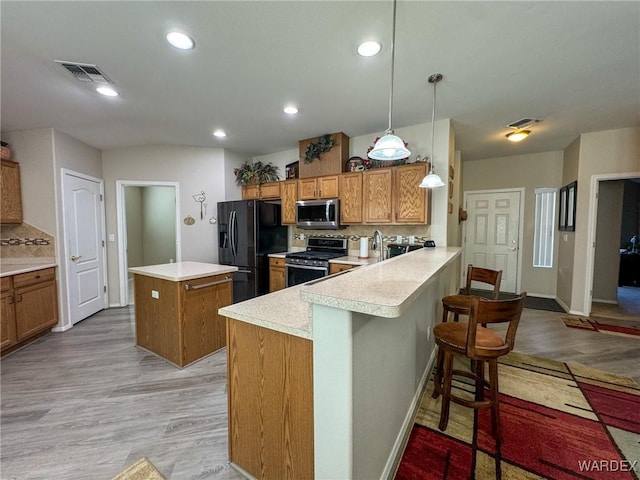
432,180
390,147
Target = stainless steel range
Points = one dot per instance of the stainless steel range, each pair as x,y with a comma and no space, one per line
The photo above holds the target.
313,263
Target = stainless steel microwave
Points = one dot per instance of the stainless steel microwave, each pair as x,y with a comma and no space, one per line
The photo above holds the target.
318,214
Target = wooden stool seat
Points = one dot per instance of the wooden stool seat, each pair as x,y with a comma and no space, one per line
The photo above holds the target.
478,344
454,336
457,304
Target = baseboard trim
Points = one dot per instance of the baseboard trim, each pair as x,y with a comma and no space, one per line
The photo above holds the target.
601,300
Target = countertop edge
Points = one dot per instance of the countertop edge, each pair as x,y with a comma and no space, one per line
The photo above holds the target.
24,268
169,271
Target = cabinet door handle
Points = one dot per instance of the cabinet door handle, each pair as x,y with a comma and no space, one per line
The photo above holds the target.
18,297
389,216
205,285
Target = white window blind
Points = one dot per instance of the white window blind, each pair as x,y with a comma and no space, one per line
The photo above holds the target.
544,227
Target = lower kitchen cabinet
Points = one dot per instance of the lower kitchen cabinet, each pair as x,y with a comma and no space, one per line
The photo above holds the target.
276,274
29,307
339,267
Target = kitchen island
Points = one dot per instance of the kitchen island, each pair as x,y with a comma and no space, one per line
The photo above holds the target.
324,378
176,309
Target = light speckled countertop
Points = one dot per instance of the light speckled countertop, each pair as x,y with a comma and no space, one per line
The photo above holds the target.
349,259
177,272
15,266
383,289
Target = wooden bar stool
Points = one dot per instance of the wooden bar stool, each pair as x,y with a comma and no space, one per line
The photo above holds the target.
461,304
480,345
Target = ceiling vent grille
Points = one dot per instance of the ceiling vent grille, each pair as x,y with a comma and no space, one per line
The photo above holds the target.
84,72
523,123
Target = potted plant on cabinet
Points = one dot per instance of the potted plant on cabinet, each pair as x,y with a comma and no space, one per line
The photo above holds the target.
255,173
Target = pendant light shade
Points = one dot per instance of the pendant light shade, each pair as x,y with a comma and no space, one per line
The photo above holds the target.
390,147
432,180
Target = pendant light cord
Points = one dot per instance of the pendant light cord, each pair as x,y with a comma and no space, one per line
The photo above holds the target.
393,55
433,123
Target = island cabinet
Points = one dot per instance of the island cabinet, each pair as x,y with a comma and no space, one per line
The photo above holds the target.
392,195
276,274
289,195
29,307
351,198
176,310
270,385
10,194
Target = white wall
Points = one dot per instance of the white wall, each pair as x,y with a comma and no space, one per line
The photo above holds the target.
601,153
529,172
607,252
158,225
232,191
196,169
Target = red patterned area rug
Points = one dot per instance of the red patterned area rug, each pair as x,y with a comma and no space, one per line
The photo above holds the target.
603,325
559,421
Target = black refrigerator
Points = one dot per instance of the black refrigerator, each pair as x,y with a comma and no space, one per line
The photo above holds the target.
248,230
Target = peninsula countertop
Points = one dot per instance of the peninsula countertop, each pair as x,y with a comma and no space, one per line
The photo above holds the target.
177,272
383,289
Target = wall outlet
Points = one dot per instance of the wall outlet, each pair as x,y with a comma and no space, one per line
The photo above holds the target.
155,294
112,237
412,239
398,238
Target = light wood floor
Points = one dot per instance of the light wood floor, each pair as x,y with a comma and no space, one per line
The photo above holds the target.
87,403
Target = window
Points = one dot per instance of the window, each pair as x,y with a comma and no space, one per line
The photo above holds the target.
544,227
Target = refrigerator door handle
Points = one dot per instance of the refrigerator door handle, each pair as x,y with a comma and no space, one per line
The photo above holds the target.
233,228
243,271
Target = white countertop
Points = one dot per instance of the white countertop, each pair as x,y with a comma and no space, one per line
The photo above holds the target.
355,260
177,272
383,289
15,266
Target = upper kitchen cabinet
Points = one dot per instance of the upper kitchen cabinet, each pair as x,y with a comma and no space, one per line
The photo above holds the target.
289,191
330,162
392,195
11,208
265,191
320,187
351,198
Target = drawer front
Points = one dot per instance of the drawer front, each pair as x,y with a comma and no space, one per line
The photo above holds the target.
276,262
6,284
24,279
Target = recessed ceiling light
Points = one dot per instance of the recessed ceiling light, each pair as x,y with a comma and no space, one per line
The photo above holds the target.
290,110
219,133
106,91
180,40
518,136
369,49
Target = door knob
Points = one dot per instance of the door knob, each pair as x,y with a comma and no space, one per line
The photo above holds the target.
74,258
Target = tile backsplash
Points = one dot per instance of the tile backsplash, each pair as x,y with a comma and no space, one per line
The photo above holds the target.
25,241
353,233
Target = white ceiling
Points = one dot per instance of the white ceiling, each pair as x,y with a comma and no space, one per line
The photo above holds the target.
575,65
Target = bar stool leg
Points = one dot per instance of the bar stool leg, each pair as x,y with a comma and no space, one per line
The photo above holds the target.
437,376
477,367
495,404
446,392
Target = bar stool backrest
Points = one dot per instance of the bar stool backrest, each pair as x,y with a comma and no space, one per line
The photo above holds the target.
484,275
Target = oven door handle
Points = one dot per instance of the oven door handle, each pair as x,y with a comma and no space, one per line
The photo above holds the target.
306,267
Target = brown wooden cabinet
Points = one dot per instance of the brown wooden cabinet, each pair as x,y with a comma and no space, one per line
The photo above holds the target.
330,163
289,192
179,320
339,267
351,198
270,392
377,201
265,191
10,194
29,307
251,192
392,195
318,187
276,274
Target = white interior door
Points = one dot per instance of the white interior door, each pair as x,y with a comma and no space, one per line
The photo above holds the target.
84,237
492,235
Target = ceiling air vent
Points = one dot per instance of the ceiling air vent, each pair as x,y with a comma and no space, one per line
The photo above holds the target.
84,72
523,123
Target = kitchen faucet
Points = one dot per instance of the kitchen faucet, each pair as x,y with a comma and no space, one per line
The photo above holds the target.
377,241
